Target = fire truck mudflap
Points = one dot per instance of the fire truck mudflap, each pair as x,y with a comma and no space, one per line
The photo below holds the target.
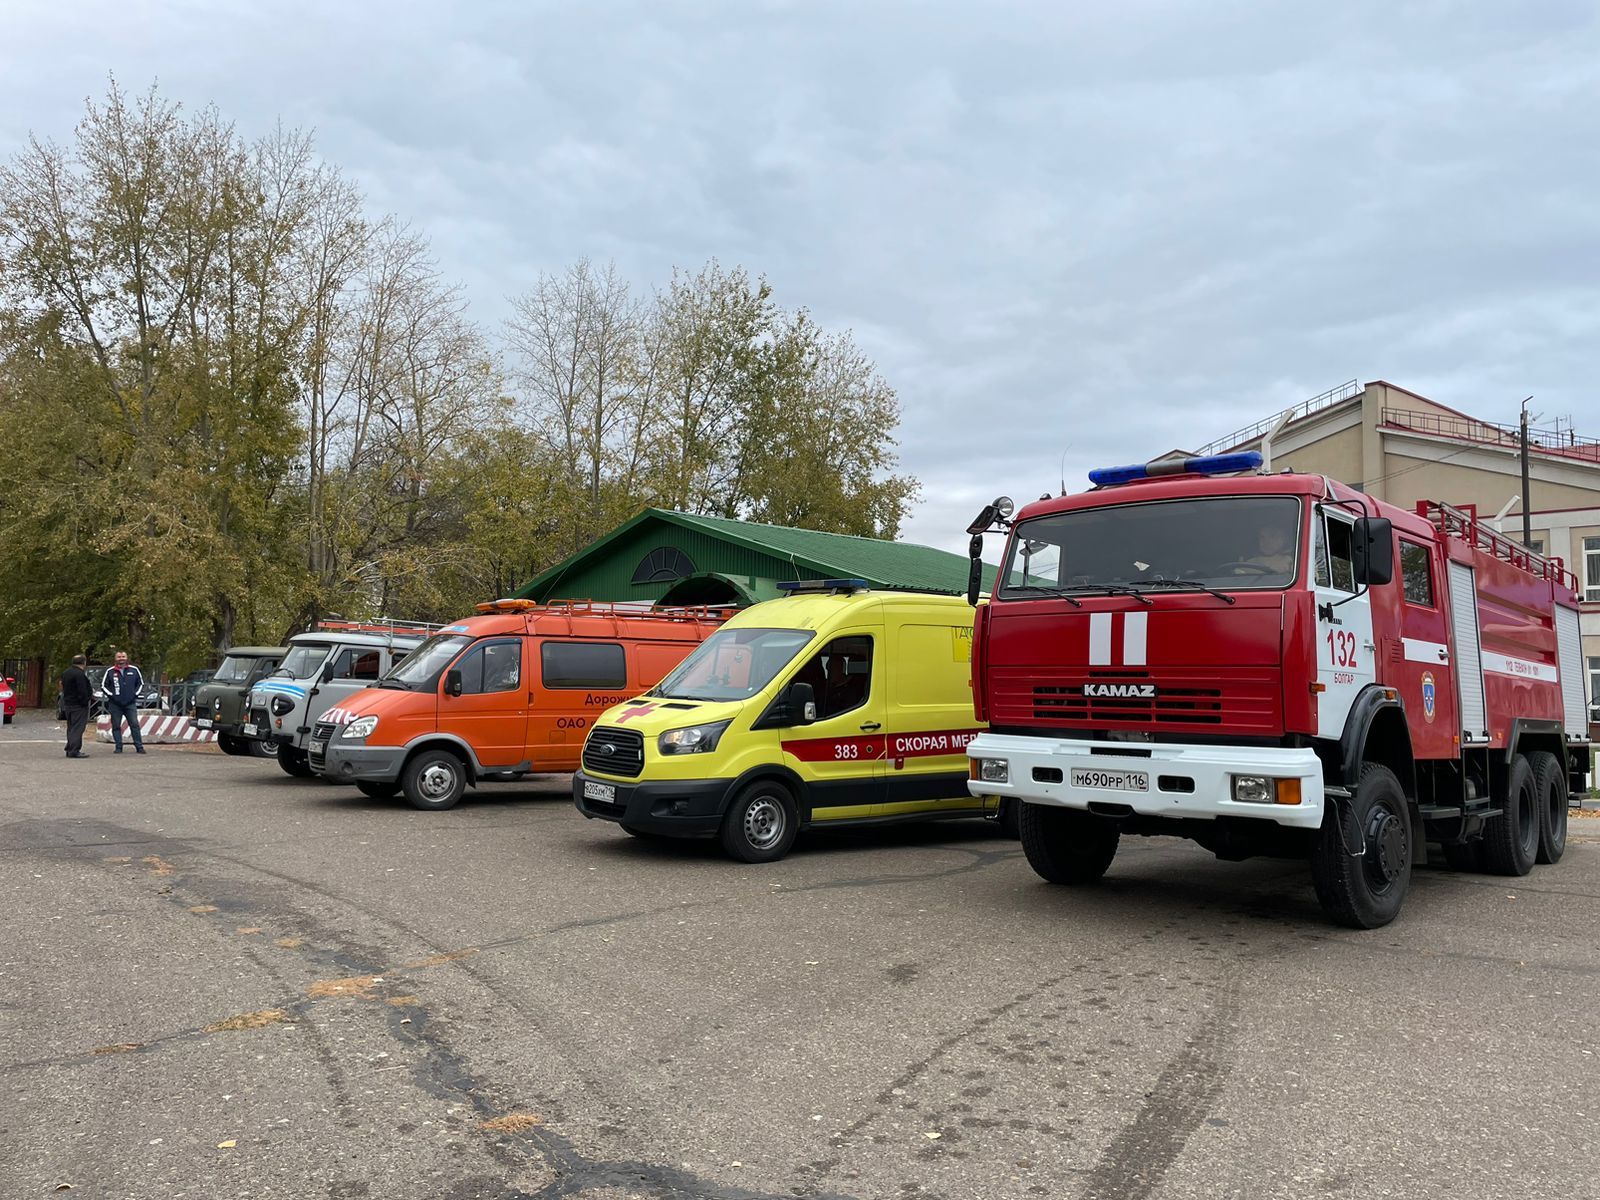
1165,780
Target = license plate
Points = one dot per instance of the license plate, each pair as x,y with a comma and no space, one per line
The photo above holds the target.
1111,781
249,731
202,723
318,747
599,791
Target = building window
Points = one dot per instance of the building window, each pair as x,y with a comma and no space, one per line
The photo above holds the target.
1416,573
1591,568
664,564
1594,689
584,665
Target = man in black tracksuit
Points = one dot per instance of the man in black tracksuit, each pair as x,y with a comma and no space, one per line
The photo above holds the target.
75,696
123,683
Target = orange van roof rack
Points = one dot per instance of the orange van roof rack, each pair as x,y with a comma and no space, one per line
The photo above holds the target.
612,609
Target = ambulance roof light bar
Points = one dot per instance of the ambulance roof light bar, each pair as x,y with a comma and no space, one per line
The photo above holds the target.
794,586
1209,464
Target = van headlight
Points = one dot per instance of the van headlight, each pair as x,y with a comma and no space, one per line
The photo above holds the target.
282,706
359,728
692,739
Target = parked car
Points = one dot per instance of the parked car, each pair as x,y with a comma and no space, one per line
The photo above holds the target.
8,700
222,703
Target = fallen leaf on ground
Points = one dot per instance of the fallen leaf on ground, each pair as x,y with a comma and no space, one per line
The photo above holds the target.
933,1137
248,929
228,1145
203,908
355,985
249,1020
290,943
512,1122
404,1001
158,864
119,1048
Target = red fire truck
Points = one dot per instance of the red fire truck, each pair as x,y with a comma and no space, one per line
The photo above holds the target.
1276,665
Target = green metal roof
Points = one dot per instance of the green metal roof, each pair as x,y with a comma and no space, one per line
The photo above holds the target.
791,554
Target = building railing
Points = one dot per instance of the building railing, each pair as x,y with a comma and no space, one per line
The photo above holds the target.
1264,426
1558,441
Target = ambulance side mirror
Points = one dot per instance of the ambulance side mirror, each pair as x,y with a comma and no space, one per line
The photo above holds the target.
1372,551
452,681
801,701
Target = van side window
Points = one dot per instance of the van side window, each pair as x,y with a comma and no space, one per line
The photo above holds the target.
356,663
1334,567
584,665
840,674
1416,573
491,667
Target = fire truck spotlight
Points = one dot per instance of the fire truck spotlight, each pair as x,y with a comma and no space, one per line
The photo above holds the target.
1252,789
992,770
1288,791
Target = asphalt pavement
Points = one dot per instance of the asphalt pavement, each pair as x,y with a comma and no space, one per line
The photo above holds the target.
217,981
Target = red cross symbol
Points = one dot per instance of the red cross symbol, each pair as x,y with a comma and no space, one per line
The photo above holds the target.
636,711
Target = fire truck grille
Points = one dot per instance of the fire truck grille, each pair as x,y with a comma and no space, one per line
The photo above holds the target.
1241,701
614,752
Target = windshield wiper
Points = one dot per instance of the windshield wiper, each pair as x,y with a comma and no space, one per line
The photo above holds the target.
392,683
1116,589
1044,591
1193,583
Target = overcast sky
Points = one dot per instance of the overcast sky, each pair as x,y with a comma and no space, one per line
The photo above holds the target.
1097,231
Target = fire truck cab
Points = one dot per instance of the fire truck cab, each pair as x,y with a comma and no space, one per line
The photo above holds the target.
1277,665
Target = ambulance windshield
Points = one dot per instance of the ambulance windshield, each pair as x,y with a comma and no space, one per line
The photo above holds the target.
1229,543
733,664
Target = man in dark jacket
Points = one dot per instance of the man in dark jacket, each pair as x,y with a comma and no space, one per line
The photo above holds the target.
123,683
75,697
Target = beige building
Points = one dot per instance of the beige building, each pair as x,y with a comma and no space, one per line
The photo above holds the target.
1402,447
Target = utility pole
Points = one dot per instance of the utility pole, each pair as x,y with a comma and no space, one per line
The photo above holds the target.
1527,517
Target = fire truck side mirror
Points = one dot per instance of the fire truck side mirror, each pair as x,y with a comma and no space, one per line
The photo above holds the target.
1372,553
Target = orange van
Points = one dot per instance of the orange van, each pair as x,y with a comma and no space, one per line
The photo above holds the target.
499,696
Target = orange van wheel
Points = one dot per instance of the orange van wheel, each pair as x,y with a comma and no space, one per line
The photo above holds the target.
434,780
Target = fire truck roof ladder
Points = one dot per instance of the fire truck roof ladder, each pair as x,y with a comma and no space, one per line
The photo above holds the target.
1463,524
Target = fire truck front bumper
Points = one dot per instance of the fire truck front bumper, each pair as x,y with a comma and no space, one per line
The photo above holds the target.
1267,783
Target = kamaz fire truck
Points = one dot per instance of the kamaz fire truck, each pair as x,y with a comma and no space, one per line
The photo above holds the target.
1276,665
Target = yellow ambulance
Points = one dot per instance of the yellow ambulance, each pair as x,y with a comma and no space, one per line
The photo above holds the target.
837,705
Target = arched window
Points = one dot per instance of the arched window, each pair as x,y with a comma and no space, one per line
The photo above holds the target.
663,565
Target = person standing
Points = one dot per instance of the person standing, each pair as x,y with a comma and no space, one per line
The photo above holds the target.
123,683
75,695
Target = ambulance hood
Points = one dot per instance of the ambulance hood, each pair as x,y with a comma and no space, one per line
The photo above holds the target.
652,716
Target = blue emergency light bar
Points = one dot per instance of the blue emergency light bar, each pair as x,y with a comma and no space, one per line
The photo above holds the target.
823,585
1210,464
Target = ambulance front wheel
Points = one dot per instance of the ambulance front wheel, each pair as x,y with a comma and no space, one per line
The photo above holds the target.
761,823
434,780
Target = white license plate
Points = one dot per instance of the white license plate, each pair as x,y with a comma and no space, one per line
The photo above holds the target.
249,731
599,791
317,747
202,723
1111,781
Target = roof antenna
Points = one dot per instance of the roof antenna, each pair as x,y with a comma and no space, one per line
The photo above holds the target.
1063,490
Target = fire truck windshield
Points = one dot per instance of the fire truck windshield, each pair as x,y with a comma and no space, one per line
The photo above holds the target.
1230,543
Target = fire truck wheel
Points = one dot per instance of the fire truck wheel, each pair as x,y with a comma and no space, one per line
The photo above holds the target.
1366,891
1064,845
1550,785
1009,819
235,746
294,762
434,780
761,823
1511,840
377,789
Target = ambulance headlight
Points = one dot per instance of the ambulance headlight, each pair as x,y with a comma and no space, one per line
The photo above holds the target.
692,739
1253,789
282,706
994,770
359,728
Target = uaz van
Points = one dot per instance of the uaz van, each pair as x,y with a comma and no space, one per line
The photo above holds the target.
837,705
321,670
222,703
502,695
